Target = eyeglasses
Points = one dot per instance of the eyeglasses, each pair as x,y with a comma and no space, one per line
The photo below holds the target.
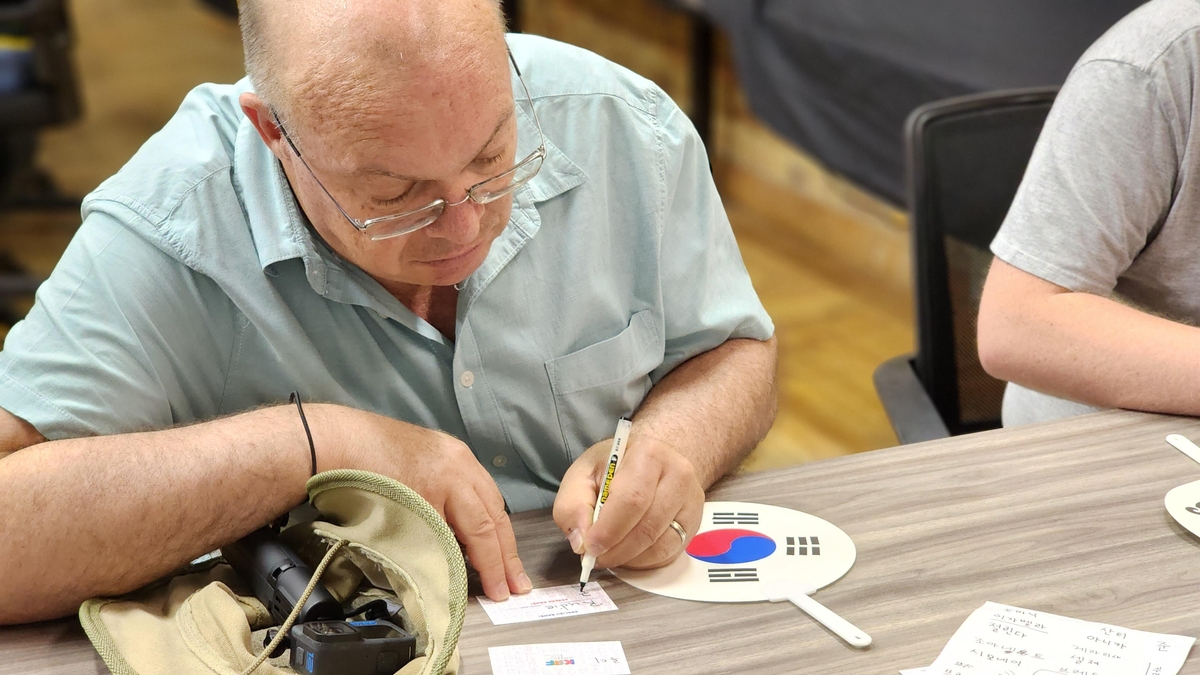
484,192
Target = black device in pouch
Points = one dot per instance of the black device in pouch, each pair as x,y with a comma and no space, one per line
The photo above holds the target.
278,577
374,647
322,642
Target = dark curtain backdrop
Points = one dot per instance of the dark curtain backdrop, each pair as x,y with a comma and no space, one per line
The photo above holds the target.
838,77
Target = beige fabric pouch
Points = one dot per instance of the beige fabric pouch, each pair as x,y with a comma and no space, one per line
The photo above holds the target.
206,620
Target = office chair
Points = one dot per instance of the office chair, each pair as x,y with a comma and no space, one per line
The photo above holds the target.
702,57
227,8
703,39
49,96
965,158
512,12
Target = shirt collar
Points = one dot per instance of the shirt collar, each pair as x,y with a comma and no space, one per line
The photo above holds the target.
558,173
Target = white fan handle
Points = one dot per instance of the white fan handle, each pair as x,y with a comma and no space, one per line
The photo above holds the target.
797,592
1182,444
852,634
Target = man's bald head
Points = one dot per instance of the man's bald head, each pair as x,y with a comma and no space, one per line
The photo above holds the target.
326,60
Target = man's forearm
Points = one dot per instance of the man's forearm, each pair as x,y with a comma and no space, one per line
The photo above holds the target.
1087,348
105,515
715,407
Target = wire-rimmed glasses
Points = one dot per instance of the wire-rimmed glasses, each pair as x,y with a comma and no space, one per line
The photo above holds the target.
483,192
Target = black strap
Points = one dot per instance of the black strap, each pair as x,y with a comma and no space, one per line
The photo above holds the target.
312,449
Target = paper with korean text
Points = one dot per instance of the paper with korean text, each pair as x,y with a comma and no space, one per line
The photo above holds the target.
1004,640
566,658
549,603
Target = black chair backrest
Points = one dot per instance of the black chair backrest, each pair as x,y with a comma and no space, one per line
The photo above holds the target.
48,24
965,158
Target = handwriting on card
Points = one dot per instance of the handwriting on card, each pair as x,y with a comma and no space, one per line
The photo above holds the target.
549,603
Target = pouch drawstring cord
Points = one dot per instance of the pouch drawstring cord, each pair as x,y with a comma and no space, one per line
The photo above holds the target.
291,619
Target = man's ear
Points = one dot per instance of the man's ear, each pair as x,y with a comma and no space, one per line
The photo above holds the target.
260,115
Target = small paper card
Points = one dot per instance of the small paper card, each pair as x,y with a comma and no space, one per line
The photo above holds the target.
549,603
573,658
1003,639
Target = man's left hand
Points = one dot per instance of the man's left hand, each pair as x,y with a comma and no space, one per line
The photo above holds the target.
654,485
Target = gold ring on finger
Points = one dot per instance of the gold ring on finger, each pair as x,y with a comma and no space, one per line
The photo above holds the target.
680,531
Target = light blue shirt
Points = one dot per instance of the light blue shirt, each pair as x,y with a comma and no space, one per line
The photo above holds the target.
195,288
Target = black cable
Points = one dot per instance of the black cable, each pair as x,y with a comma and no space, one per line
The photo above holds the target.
374,610
312,448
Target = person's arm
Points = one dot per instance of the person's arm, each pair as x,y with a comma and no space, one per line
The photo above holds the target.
1085,347
105,515
694,426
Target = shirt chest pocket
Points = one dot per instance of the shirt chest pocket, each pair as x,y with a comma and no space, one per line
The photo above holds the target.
596,385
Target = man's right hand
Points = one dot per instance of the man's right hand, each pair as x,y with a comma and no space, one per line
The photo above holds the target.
440,468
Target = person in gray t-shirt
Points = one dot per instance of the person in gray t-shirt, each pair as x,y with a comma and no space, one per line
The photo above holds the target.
1094,296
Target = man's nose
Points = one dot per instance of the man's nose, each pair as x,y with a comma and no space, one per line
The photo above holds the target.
460,220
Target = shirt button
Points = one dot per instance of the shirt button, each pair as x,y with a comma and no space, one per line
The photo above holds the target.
467,378
499,461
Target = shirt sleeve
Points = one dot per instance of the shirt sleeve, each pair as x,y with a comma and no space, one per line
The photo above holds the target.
707,295
1099,183
122,337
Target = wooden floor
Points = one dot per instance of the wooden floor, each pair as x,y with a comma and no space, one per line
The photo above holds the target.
832,333
137,58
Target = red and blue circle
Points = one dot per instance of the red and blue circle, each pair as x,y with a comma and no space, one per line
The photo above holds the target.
730,546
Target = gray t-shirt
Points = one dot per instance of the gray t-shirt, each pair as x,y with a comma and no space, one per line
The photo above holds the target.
1110,203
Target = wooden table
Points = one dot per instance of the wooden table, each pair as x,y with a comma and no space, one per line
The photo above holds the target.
1065,518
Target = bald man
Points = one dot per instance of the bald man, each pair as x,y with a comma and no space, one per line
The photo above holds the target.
469,264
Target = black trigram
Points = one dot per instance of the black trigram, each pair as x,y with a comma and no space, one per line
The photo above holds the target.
731,518
800,546
727,574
